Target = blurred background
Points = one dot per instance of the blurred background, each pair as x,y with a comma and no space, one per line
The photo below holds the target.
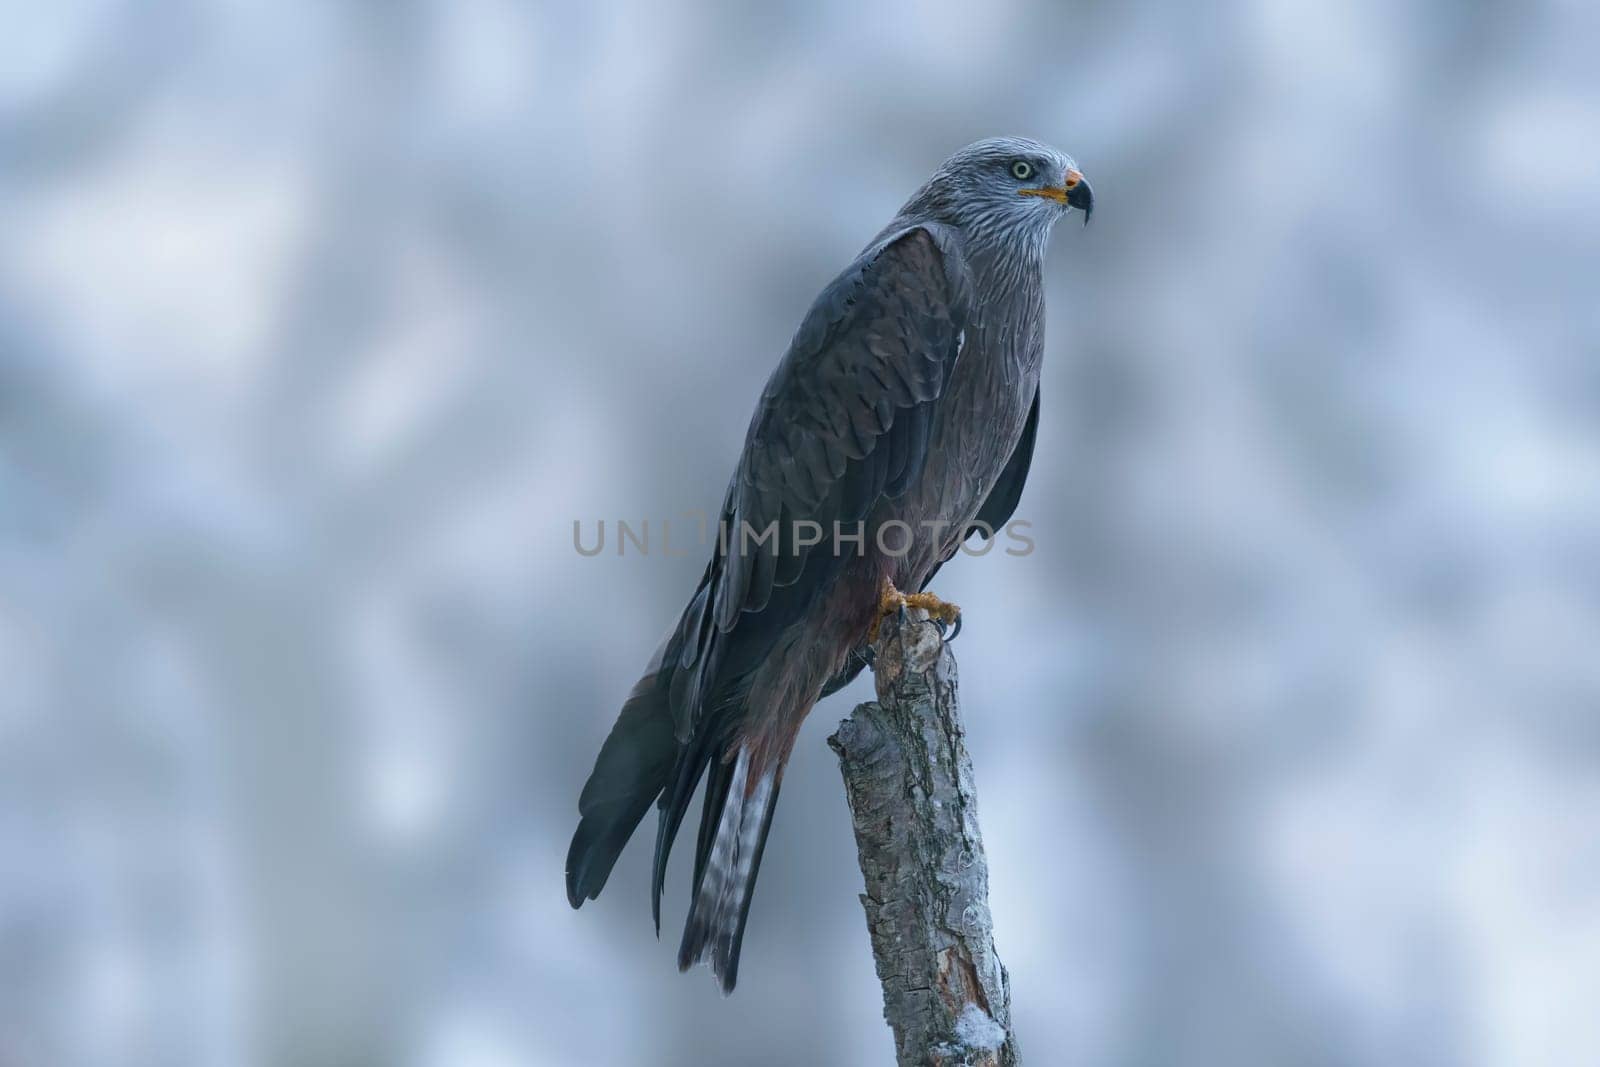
320,324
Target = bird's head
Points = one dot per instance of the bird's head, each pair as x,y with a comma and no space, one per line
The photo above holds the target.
1006,184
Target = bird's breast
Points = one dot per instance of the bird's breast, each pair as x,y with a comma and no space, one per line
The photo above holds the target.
977,424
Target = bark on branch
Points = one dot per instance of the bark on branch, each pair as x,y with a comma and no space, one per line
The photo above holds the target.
906,772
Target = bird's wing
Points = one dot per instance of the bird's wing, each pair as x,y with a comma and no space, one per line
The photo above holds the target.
842,423
1001,503
845,418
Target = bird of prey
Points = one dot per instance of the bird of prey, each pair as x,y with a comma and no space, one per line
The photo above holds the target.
909,397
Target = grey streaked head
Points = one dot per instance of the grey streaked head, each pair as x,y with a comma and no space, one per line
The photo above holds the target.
1003,188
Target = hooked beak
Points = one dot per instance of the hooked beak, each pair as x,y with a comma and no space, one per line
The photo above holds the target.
1079,195
1075,193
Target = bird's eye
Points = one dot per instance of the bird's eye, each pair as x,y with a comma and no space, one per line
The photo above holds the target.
1022,170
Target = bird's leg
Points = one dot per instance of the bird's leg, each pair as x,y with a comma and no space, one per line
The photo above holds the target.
891,600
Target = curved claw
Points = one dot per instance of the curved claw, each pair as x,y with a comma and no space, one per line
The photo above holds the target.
948,631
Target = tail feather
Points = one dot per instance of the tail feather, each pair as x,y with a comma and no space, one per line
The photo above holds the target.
633,767
726,877
718,783
675,803
676,727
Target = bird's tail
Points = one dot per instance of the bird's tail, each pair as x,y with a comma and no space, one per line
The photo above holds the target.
732,835
633,767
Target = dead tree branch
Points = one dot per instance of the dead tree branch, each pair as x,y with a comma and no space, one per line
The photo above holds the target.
946,994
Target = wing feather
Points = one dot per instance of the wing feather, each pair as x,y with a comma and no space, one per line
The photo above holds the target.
841,422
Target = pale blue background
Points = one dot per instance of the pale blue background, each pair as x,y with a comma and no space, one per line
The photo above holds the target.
320,323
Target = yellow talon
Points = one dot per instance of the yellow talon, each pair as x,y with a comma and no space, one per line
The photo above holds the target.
891,600
942,610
